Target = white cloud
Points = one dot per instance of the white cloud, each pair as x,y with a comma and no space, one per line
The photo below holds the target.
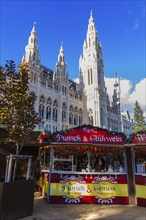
76,80
125,88
139,93
129,97
129,94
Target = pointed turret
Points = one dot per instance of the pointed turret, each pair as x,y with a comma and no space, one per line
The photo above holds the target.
91,37
31,50
61,59
61,65
91,63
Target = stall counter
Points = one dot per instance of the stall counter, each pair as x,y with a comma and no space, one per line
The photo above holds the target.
84,188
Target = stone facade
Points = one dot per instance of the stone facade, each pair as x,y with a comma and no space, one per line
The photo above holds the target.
63,103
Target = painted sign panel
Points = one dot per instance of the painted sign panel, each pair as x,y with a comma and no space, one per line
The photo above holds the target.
75,189
89,135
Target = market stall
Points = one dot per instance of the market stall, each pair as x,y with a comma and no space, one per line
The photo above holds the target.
138,149
85,165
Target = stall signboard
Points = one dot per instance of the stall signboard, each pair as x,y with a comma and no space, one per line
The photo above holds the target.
91,189
89,135
139,138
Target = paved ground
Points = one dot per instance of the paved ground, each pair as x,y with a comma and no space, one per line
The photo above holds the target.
45,211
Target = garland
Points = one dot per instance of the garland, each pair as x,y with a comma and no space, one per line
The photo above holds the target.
47,136
88,126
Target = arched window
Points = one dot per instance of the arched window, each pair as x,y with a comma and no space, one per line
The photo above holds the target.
55,103
48,113
76,116
41,111
80,116
54,114
49,108
75,119
64,112
49,101
55,111
71,109
41,107
76,109
80,120
70,118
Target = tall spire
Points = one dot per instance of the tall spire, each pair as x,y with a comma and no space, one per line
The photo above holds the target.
31,50
61,65
92,75
91,37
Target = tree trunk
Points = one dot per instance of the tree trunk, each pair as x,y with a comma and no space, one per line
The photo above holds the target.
15,164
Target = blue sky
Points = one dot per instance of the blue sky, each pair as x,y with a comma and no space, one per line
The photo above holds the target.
120,26
121,29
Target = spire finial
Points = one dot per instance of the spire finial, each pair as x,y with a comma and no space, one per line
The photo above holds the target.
91,13
61,48
34,24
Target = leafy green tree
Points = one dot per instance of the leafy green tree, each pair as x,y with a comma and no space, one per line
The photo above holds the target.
138,118
17,113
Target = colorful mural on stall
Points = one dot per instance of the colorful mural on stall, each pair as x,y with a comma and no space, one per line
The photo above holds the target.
86,189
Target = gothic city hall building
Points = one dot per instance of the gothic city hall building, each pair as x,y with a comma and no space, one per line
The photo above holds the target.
62,103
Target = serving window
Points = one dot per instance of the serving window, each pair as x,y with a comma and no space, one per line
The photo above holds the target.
84,158
140,159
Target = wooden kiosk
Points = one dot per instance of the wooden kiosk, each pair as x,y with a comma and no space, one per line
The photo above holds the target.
85,165
137,146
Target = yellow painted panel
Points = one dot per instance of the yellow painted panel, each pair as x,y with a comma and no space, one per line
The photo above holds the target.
73,189
141,191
